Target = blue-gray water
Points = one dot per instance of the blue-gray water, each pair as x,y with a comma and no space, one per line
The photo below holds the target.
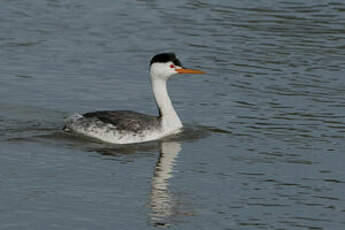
264,146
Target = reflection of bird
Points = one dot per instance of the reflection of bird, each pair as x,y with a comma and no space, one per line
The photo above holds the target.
162,203
124,127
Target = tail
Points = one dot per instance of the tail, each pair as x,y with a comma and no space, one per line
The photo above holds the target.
70,120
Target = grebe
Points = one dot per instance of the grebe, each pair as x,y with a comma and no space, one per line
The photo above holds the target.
126,127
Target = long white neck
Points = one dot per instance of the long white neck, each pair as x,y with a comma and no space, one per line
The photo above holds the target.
169,118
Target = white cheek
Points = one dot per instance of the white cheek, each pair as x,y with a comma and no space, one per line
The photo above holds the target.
163,70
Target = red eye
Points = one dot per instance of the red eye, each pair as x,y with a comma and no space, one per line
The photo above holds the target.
172,66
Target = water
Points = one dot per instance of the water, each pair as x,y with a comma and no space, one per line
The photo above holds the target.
265,137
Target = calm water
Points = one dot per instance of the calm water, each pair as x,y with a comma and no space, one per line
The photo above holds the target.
264,146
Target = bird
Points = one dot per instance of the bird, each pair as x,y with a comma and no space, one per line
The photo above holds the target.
128,127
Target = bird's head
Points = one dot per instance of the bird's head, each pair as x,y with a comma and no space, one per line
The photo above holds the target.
165,65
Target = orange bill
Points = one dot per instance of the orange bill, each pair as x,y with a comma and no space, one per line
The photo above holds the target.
189,71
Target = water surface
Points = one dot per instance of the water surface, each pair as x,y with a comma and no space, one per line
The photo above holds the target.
265,128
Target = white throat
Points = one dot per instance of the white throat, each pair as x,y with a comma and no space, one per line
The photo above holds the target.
169,119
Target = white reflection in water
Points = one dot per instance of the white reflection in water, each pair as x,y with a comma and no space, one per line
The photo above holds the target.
162,202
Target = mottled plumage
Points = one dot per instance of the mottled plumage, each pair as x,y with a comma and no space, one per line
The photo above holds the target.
125,120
